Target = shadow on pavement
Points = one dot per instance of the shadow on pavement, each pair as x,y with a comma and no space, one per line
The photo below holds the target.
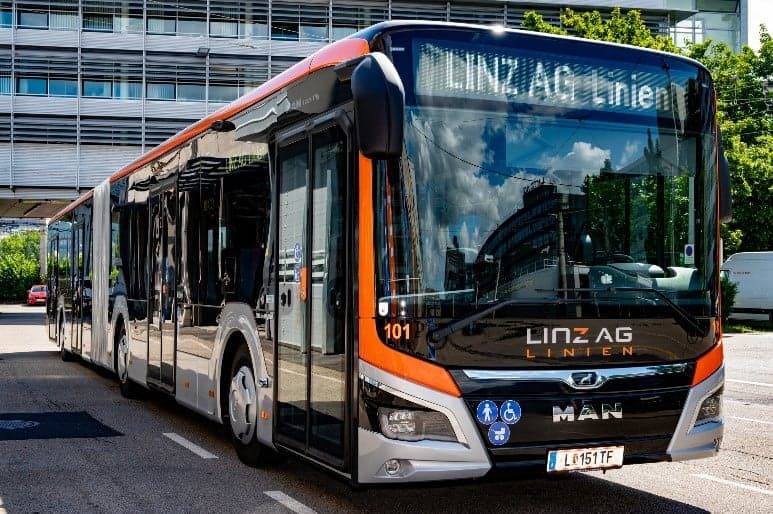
33,317
568,493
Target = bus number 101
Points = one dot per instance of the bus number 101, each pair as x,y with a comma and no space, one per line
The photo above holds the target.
398,332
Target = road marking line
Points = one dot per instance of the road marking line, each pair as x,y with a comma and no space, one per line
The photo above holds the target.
734,484
198,450
290,502
763,384
752,420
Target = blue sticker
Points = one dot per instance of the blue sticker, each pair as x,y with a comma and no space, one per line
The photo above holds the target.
298,252
297,273
498,433
487,412
510,412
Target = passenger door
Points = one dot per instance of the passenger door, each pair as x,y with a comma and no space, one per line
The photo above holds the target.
311,296
161,307
77,289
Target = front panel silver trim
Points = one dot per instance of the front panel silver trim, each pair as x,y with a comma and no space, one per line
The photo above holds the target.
566,375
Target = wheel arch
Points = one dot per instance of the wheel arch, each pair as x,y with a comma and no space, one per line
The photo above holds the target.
237,326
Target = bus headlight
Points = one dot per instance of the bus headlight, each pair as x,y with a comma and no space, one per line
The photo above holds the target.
710,410
396,417
415,425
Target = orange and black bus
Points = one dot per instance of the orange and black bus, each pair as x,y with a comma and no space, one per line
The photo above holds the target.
427,251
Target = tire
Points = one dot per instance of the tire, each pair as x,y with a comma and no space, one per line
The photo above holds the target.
242,416
64,354
127,387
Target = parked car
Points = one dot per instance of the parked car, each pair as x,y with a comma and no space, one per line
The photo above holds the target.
753,273
37,295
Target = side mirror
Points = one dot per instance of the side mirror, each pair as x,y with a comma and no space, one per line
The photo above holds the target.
379,101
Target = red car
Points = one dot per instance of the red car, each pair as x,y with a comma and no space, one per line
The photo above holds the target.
37,295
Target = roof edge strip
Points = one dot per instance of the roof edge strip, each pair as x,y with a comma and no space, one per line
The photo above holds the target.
330,55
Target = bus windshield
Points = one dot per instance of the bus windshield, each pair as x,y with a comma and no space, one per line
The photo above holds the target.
547,175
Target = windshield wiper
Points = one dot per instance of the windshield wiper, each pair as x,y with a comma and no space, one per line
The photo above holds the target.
445,331
691,320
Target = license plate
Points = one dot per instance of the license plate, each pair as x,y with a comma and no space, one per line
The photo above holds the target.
585,459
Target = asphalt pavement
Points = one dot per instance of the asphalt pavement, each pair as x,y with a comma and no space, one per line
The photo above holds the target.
151,455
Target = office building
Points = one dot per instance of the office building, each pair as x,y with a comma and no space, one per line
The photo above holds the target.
86,86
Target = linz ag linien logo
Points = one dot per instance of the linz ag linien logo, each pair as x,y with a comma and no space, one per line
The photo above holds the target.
588,412
564,342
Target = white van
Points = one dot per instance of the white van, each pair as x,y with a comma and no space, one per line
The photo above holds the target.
753,272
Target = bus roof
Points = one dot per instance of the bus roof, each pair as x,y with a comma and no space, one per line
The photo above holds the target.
330,55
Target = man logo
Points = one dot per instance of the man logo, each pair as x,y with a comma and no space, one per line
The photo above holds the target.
588,411
586,380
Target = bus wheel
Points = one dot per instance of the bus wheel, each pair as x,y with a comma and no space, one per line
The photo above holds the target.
122,365
66,356
243,409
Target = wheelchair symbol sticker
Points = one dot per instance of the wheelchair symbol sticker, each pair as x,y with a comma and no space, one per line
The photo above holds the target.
510,412
498,433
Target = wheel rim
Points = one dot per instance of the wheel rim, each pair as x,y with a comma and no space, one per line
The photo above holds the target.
242,404
123,358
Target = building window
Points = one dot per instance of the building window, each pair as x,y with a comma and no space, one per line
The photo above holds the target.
284,31
63,87
342,32
5,85
6,18
31,86
33,20
97,88
313,33
162,26
64,21
127,25
97,23
191,92
127,90
191,27
253,30
218,93
223,29
161,91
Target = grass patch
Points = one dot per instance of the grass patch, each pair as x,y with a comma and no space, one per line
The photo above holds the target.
746,326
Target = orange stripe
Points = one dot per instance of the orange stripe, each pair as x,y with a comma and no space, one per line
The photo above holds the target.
371,349
330,55
708,363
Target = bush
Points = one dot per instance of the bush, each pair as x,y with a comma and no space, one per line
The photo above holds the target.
729,292
19,265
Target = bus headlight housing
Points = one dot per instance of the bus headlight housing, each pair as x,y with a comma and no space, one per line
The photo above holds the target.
395,417
415,425
710,409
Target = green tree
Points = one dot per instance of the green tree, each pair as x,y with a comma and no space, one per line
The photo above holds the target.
746,121
619,27
19,264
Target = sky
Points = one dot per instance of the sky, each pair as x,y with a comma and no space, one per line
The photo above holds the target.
760,12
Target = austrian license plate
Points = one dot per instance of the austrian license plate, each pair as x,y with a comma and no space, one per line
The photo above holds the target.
585,459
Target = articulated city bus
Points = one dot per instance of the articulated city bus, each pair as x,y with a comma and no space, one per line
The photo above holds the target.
425,252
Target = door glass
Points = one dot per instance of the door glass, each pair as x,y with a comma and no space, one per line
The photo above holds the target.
168,314
291,313
154,305
328,286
